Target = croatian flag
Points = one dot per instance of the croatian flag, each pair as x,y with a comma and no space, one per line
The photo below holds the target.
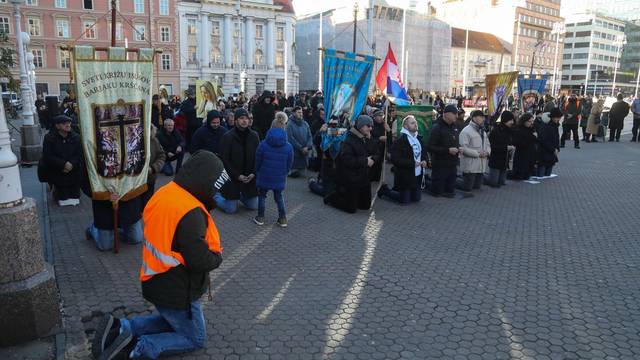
389,81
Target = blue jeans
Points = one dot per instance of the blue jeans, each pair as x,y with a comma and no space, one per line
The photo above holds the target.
497,177
167,331
231,206
277,196
131,234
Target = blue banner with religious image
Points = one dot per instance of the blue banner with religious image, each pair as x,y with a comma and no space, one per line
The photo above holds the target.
530,91
346,83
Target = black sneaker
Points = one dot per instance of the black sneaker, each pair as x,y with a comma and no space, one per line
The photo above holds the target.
102,333
119,345
259,220
577,146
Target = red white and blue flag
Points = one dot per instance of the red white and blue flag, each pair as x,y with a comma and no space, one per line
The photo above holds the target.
389,80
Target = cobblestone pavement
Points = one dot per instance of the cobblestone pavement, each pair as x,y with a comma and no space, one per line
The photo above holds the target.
530,271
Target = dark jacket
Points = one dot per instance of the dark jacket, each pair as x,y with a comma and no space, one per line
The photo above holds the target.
443,136
500,139
351,164
402,158
274,158
376,148
572,111
188,108
56,151
207,138
155,114
524,158
548,143
170,141
179,286
238,153
619,110
263,114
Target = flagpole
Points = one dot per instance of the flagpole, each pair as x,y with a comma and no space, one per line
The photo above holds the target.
320,56
464,73
404,26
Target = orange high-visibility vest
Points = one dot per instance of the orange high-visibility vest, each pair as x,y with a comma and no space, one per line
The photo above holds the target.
161,217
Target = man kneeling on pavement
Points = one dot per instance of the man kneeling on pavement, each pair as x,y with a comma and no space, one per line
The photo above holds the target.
182,246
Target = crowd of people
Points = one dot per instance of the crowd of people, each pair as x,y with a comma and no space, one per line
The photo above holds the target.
235,151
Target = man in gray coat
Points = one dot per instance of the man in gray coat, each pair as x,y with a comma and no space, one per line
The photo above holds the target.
299,136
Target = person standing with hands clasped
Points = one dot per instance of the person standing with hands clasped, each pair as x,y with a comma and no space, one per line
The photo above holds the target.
409,159
445,149
299,136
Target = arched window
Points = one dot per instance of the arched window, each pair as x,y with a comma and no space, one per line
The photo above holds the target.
258,58
235,55
216,55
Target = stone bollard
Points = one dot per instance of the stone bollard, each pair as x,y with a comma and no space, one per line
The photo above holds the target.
28,294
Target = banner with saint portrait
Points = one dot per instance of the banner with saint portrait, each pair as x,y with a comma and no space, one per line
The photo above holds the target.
346,83
207,95
498,88
114,111
530,91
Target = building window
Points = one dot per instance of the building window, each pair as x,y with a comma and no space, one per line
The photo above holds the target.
62,28
165,35
89,29
4,25
279,58
118,31
88,4
138,6
31,2
64,59
216,55
235,56
258,31
258,58
164,7
62,4
38,57
236,31
192,54
166,61
215,28
280,33
42,88
191,27
140,32
33,24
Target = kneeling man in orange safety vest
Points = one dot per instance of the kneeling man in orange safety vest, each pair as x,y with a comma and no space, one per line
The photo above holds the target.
181,247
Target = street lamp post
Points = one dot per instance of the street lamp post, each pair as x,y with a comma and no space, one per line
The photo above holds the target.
558,30
619,43
30,148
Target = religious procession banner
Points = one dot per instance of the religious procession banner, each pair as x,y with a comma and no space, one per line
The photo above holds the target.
530,89
423,115
114,108
498,88
207,95
346,83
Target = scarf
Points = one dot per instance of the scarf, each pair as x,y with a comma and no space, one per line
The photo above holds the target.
417,149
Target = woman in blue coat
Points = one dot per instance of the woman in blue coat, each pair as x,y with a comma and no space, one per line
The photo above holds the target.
274,158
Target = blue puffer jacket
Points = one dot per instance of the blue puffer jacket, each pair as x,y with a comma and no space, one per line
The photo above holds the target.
274,158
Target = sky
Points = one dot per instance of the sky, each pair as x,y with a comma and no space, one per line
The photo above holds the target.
303,7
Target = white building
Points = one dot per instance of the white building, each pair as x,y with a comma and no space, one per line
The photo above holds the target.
427,41
242,45
591,52
486,54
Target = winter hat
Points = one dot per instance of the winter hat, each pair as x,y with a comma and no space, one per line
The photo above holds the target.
363,120
555,113
378,113
451,109
507,116
202,184
241,112
59,119
213,114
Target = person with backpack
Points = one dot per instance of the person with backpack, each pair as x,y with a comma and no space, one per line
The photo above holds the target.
274,158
